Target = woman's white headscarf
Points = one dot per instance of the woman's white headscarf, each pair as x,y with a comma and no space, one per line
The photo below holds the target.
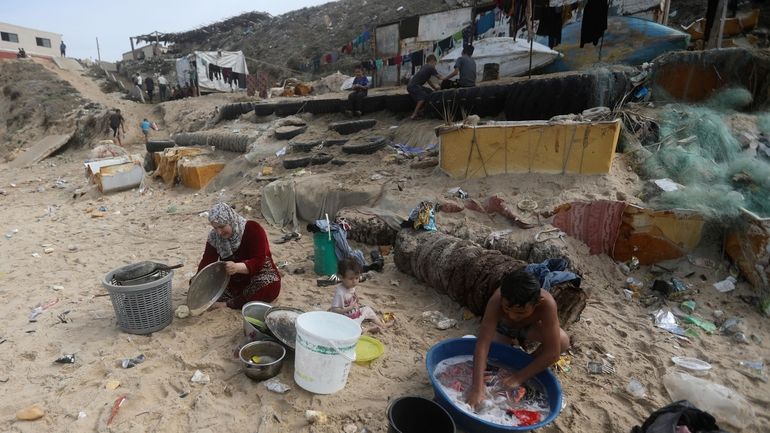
222,214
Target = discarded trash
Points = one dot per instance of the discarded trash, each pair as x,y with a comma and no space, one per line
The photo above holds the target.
622,267
726,285
281,152
701,323
388,317
718,314
66,359
171,209
48,250
694,364
702,262
132,362
667,184
599,368
350,428
754,365
376,176
721,402
628,294
633,263
200,377
688,306
679,285
30,413
439,320
562,365
56,287
732,326
634,285
636,389
664,319
36,255
112,384
740,337
204,214
82,415
115,407
457,192
276,385
315,417
182,311
39,308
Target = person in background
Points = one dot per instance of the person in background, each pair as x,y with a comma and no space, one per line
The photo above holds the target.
21,54
117,121
465,66
416,87
520,310
63,49
146,126
138,87
149,85
162,87
358,93
244,248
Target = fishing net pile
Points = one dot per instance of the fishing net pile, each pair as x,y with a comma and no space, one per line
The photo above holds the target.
719,155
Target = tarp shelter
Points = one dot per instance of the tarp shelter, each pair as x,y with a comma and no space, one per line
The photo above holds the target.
217,71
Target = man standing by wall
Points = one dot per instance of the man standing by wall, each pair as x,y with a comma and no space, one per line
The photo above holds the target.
162,87
63,49
149,85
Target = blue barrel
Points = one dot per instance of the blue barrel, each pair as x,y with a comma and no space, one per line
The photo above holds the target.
325,258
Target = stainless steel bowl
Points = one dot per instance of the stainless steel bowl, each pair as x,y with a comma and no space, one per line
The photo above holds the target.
256,310
262,371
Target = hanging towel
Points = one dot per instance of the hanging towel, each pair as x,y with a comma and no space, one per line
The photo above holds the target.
550,24
486,22
378,63
594,22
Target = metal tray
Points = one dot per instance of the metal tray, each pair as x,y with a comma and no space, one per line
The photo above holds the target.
206,287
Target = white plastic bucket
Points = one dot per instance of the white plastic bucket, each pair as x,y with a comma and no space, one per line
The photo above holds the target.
325,348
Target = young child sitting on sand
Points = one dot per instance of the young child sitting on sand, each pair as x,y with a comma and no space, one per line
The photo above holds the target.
519,310
346,300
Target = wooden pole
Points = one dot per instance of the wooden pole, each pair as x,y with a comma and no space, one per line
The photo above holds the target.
133,53
98,53
717,27
531,35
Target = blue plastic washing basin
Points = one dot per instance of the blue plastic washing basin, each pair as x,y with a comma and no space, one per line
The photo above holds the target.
500,354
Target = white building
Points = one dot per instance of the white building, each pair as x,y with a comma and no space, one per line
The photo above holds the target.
35,42
145,52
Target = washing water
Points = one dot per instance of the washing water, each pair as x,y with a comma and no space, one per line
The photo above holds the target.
523,406
325,348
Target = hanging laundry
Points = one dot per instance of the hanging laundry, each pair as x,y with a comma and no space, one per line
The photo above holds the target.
365,36
406,58
328,58
550,24
485,22
417,59
378,63
594,22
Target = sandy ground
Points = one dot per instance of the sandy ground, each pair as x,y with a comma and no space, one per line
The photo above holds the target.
163,224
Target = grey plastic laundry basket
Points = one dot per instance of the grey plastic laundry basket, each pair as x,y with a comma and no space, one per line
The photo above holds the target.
142,308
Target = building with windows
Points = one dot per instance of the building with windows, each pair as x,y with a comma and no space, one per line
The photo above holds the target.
35,42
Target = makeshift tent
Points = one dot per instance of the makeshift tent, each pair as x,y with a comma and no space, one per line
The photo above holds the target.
217,71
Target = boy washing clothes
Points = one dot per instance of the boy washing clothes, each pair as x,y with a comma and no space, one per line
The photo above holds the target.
518,311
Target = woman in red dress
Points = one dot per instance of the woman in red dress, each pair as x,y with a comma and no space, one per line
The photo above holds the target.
244,248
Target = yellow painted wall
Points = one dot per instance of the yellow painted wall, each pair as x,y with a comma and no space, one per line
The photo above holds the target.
529,147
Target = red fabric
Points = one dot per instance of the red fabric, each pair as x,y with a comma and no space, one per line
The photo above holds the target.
254,251
596,223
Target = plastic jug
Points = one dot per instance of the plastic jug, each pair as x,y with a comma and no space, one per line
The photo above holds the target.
724,404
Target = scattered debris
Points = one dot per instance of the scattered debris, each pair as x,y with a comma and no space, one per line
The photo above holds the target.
182,312
115,407
30,413
316,417
276,385
112,384
439,320
200,377
726,285
132,362
66,359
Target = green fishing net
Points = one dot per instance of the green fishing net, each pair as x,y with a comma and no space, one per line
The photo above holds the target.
697,149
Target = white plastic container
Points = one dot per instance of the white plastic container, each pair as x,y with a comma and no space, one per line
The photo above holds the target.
325,348
724,404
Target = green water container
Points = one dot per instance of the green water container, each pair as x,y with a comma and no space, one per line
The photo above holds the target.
325,259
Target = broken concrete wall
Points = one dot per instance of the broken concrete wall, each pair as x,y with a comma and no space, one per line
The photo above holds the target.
693,76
